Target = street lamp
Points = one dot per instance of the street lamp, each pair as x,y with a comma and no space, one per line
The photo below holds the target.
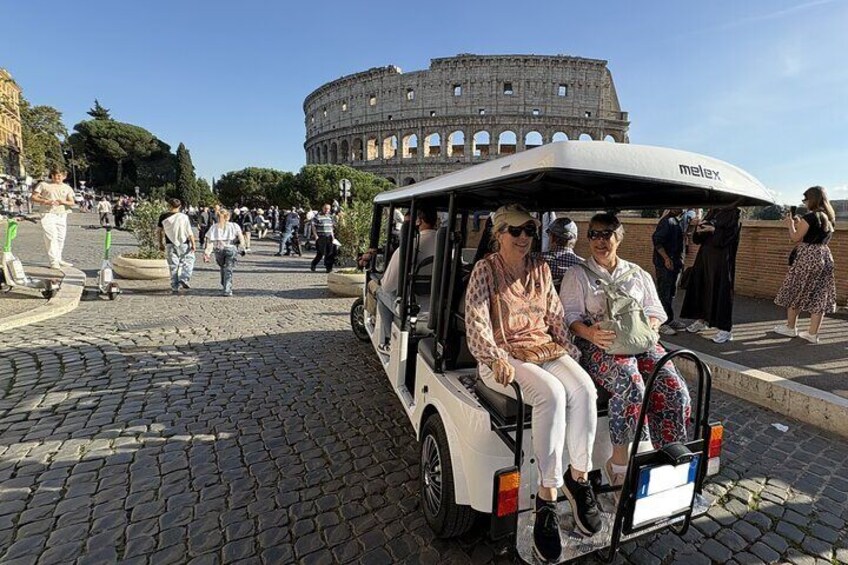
73,164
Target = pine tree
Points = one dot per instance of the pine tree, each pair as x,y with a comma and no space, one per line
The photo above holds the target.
186,181
99,112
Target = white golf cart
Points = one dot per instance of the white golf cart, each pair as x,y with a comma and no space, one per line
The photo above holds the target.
476,456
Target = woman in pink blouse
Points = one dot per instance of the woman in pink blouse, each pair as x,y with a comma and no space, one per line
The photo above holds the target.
516,330
621,375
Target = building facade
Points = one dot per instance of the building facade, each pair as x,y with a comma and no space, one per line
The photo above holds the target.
11,140
408,127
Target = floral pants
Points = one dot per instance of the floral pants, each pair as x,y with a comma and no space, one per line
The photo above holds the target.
622,376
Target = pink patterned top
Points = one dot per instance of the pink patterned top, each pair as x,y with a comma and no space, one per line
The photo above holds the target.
532,311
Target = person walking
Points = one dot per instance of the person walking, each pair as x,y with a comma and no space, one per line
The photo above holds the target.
709,294
203,223
59,197
668,263
176,239
809,285
225,239
324,225
246,222
104,208
291,224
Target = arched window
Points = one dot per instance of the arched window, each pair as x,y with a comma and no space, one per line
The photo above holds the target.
584,137
609,138
392,180
345,151
559,136
390,147
371,148
432,145
506,143
334,153
410,146
408,180
358,154
533,139
456,144
480,144
325,154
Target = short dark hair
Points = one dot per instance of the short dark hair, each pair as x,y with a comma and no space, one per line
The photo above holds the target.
175,202
428,215
57,170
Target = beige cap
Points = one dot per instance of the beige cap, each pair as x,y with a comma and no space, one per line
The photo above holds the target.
511,215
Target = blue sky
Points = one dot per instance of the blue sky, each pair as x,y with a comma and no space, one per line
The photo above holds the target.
762,84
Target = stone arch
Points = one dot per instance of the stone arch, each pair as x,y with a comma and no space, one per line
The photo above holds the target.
372,150
390,147
456,144
358,152
480,144
344,151
432,145
334,153
408,180
610,138
559,136
409,146
507,143
585,137
533,139
392,180
325,154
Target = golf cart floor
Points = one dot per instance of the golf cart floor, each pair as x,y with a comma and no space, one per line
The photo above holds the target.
576,545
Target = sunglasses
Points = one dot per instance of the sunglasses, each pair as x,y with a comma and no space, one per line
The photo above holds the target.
528,229
600,234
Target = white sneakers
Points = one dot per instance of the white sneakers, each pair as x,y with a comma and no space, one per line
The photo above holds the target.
783,329
66,263
56,266
666,329
697,326
722,336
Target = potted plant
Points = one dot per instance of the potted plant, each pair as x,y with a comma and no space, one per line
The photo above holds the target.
148,262
353,232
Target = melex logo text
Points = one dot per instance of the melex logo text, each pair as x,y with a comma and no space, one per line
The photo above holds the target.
699,171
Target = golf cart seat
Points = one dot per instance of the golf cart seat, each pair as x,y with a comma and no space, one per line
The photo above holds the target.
504,409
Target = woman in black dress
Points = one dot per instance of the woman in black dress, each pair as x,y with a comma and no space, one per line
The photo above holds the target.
709,295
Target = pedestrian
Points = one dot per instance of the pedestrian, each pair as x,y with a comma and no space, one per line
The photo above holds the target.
261,224
809,285
176,239
562,233
104,208
203,223
709,293
290,224
246,223
54,224
226,239
669,251
324,225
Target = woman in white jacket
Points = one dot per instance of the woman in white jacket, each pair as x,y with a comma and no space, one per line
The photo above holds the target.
224,238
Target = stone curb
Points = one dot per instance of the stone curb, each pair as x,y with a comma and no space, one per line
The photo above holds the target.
66,300
784,396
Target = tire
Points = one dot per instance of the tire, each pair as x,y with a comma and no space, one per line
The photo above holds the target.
445,517
357,320
49,293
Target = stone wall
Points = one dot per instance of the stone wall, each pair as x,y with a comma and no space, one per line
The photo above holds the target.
462,110
761,263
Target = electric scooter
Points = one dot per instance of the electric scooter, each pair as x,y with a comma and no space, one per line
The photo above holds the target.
13,275
105,278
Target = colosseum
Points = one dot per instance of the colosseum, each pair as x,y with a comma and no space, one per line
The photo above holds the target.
412,126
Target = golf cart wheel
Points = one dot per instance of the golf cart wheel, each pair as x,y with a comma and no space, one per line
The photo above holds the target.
446,518
49,293
357,320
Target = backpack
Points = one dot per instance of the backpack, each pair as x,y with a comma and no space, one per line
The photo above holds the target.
625,316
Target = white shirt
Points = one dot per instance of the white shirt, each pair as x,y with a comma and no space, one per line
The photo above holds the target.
219,238
426,248
55,191
584,300
177,228
104,207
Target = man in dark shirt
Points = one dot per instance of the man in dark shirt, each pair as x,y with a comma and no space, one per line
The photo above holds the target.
668,263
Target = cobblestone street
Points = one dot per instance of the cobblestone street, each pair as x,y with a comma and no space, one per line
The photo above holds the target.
196,428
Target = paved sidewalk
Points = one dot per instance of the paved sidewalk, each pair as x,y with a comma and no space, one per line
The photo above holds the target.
199,429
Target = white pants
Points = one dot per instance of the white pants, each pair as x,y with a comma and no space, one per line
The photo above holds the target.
564,399
54,226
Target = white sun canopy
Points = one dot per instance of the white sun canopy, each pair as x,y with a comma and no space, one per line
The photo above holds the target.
595,175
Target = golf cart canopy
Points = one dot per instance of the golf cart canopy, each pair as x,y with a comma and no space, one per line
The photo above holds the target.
594,175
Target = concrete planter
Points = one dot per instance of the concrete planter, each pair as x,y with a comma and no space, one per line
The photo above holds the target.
346,283
140,269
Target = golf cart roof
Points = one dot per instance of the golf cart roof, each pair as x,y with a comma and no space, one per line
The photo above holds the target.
594,175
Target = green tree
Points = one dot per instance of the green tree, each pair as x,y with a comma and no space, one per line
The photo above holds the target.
186,181
204,193
99,112
248,187
319,184
41,129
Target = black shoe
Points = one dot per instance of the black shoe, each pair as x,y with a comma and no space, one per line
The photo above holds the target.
185,285
546,537
312,268
584,507
278,254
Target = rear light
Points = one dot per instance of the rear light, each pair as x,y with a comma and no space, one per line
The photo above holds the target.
714,449
506,488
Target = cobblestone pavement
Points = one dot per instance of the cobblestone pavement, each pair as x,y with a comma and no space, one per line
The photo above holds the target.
257,429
